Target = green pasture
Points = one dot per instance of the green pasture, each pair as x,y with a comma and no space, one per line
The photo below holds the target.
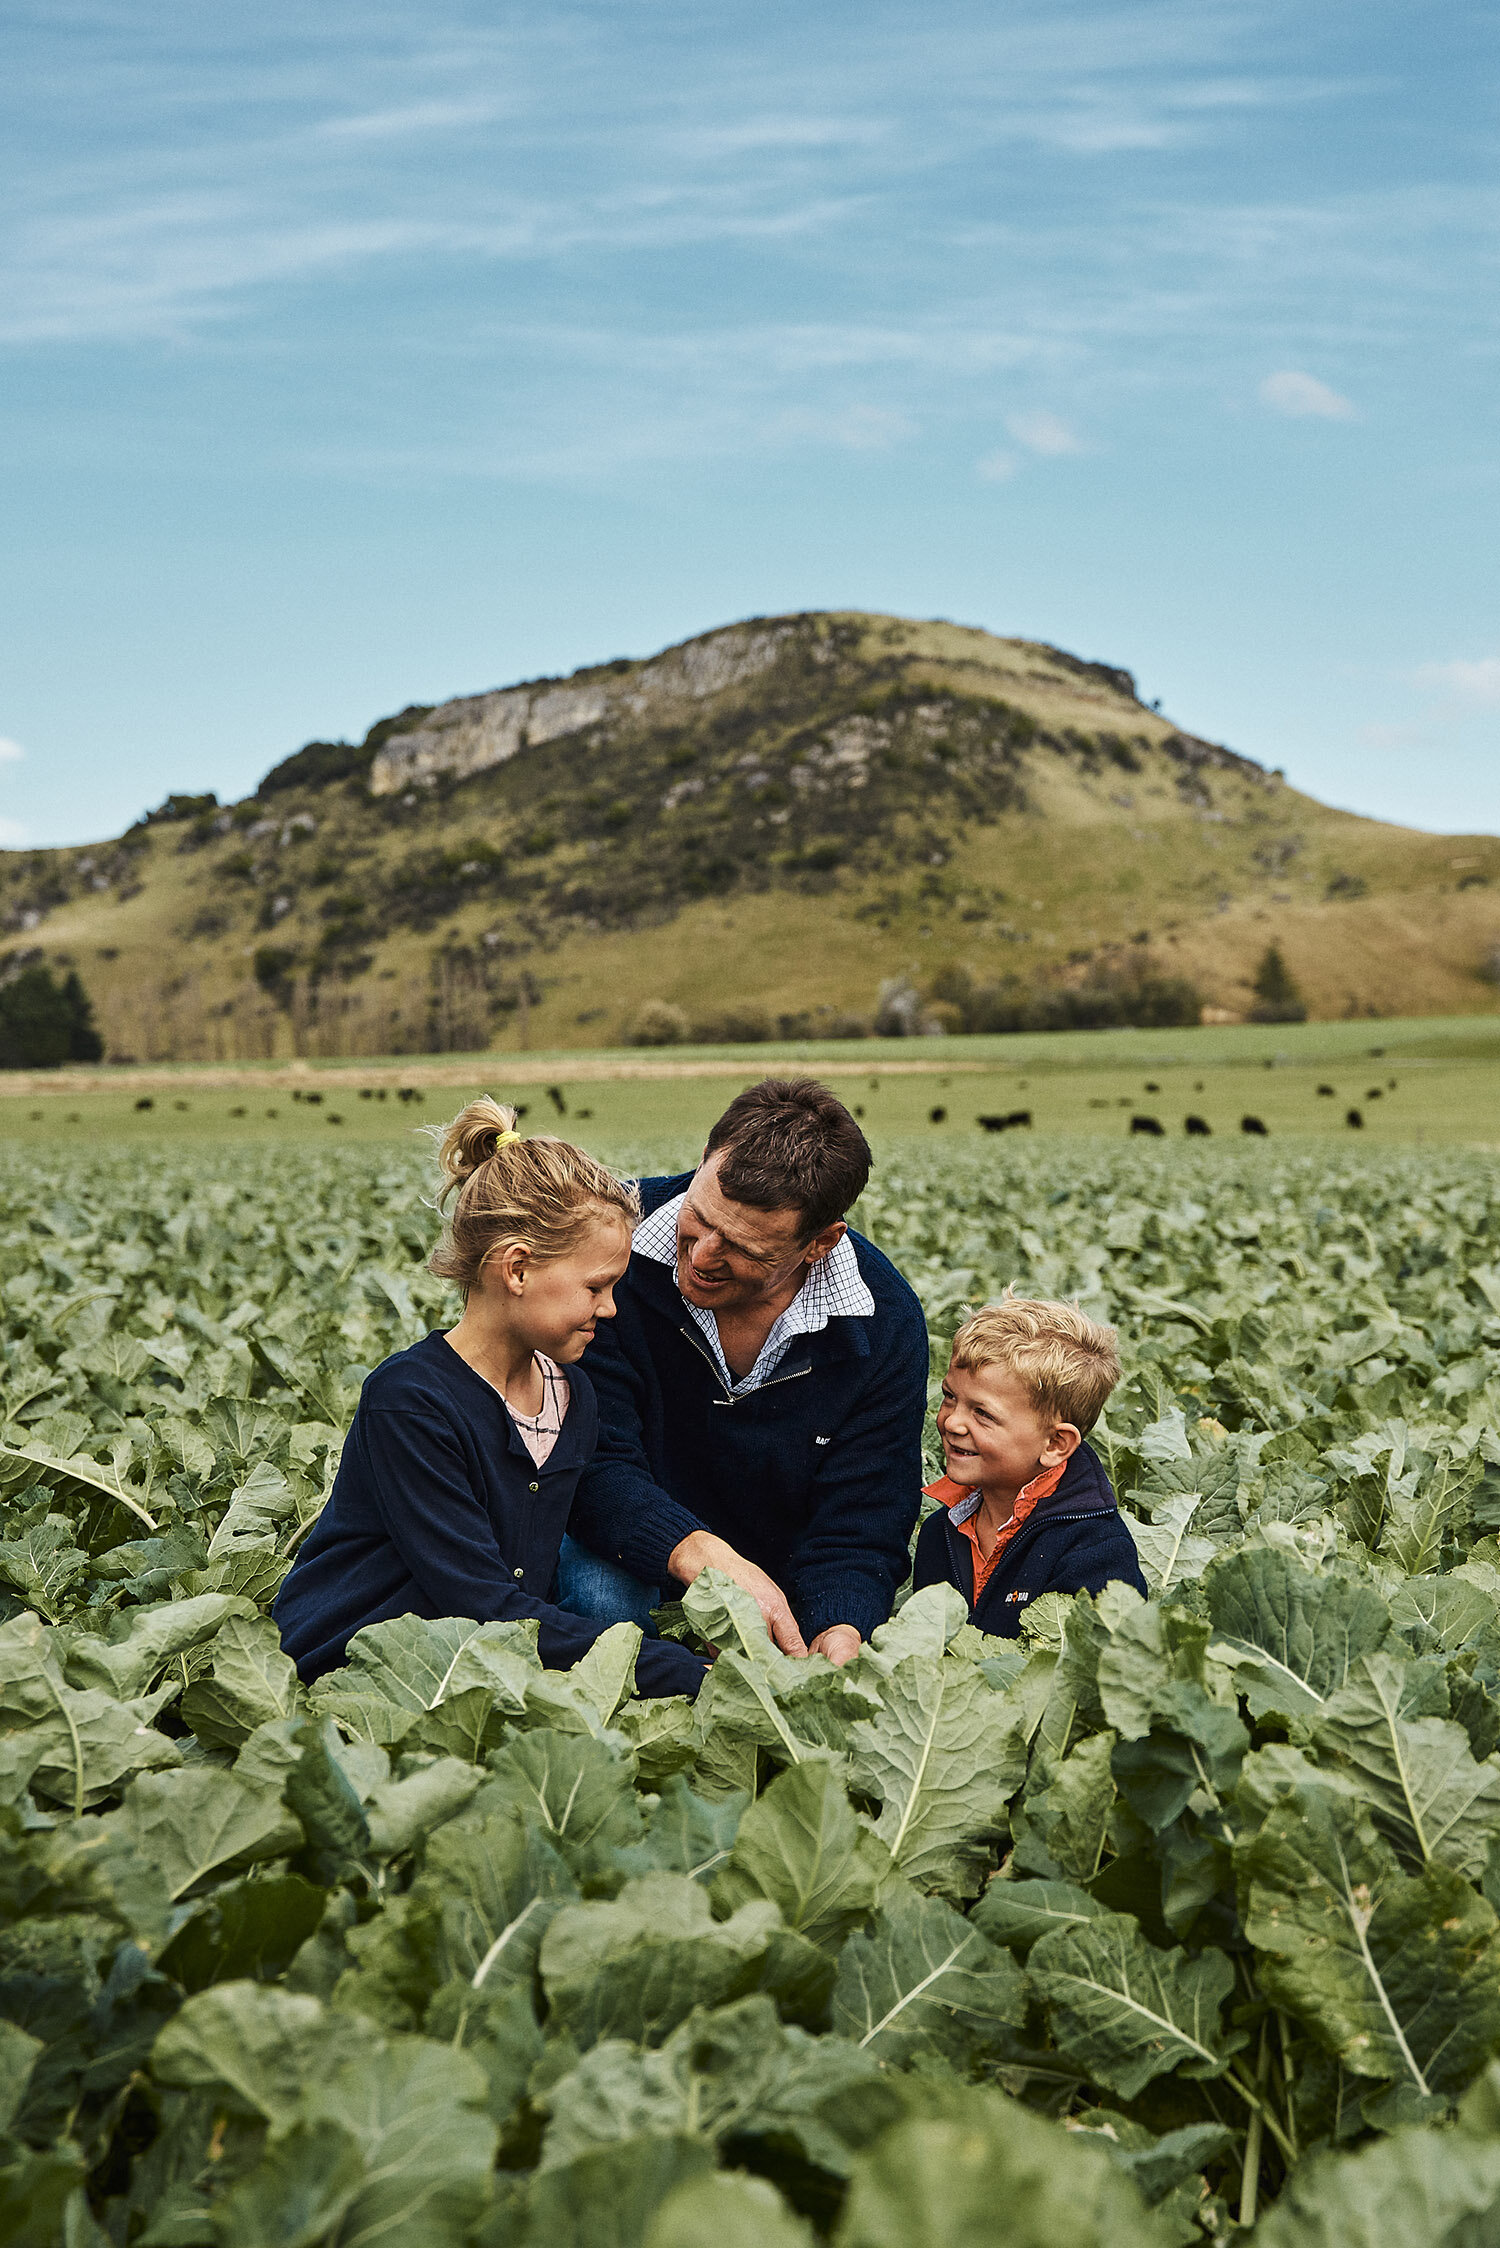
1075,1088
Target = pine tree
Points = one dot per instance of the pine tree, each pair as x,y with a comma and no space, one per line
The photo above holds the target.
43,1023
1278,994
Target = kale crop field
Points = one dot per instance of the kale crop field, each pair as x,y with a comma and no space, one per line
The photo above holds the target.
1169,1918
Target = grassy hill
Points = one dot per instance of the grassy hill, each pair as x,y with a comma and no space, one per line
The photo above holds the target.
757,828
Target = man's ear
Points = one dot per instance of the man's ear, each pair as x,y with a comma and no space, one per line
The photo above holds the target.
823,1244
1063,1440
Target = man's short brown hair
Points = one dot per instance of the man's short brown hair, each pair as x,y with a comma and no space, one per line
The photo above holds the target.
789,1144
1066,1362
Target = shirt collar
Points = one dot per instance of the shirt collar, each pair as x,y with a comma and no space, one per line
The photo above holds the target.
962,1499
834,1288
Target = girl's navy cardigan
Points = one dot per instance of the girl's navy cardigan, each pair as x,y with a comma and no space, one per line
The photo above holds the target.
1075,1541
815,1476
438,1509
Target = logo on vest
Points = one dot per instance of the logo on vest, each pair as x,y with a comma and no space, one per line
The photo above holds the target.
1016,1599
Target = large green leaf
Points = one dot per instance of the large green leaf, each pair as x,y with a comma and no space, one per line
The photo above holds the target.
197,1823
1421,1519
142,1640
42,1562
605,2197
736,2075
1192,1754
303,2186
801,1846
399,1812
1295,1633
942,1764
1398,1975
249,1682
730,2211
248,1928
924,1980
686,1833
260,2045
574,1789
1126,2012
1063,1819
490,1889
1169,1550
1415,2189
926,1625
997,2173
636,1966
1427,1794
1019,1913
395,1672
90,1741
417,2112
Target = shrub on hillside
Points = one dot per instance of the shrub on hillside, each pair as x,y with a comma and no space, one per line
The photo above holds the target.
44,1023
748,1024
1278,995
1140,996
659,1023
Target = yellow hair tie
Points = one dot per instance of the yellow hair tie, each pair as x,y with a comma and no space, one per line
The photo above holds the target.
504,1139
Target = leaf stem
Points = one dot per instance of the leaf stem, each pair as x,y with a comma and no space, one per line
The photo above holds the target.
1258,2107
1288,2079
1250,2171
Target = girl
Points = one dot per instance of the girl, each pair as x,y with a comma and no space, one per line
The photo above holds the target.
465,1452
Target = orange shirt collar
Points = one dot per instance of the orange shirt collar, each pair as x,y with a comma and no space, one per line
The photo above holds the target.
1040,1487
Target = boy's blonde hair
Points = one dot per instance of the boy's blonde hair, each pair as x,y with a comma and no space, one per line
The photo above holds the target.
541,1193
1066,1362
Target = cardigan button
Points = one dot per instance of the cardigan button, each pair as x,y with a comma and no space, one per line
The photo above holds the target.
533,1486
518,1572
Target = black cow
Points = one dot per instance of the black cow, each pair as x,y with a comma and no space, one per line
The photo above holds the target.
1150,1125
1254,1124
1197,1127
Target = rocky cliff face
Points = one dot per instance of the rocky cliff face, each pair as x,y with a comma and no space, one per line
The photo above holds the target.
479,731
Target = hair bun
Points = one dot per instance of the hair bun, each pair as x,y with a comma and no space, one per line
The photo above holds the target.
471,1139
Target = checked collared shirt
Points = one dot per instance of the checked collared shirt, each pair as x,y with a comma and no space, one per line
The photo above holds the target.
833,1289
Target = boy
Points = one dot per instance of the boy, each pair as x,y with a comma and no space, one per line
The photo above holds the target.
1027,1507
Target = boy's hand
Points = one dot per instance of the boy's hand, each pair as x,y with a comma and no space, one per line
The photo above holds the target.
702,1550
840,1643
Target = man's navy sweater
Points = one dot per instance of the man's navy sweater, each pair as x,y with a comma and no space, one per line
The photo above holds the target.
438,1509
1074,1541
815,1475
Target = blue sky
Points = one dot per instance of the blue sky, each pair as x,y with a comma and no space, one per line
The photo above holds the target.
359,355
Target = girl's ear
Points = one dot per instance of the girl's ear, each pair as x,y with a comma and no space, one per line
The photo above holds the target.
505,1271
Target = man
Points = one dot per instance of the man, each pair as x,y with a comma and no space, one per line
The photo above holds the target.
761,1389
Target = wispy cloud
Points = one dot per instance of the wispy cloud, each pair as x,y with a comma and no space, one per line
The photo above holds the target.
408,122
860,429
996,468
9,750
1044,433
1303,397
1474,684
13,834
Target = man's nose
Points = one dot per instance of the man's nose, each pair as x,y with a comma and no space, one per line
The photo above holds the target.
706,1250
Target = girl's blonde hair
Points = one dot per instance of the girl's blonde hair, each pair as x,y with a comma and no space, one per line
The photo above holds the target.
541,1193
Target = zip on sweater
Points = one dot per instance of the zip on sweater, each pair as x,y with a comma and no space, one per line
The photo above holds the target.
1032,1530
729,1397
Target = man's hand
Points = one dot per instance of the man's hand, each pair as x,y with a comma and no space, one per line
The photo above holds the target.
701,1550
840,1643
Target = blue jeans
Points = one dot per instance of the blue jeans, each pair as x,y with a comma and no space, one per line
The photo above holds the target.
589,1586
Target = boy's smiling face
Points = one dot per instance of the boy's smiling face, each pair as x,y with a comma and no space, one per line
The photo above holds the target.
992,1433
